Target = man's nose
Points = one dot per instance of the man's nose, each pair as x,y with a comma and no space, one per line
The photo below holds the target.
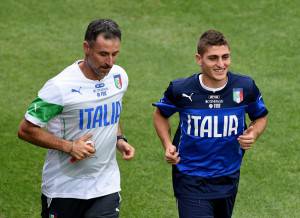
110,60
220,62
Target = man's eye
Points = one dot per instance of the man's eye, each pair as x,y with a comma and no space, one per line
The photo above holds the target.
212,58
102,54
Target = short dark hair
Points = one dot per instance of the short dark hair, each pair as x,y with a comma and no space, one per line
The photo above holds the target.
107,27
210,38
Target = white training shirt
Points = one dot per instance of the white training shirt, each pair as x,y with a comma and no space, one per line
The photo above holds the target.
69,106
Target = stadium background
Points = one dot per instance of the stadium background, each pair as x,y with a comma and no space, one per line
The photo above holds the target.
40,38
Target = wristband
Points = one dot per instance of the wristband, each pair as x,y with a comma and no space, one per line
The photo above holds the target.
122,137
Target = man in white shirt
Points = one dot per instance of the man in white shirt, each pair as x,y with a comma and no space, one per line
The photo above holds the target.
76,117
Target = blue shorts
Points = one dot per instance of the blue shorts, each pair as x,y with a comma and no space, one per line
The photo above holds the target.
102,207
205,208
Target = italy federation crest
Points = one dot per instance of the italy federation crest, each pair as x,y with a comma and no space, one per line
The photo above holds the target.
118,81
52,215
238,95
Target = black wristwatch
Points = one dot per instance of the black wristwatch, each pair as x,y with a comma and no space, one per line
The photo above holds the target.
122,137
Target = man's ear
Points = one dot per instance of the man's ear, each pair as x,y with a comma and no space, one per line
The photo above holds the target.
86,47
198,59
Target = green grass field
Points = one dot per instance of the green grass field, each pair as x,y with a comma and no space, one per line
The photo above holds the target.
40,38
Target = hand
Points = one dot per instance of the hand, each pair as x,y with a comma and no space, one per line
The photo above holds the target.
125,149
248,138
171,155
82,149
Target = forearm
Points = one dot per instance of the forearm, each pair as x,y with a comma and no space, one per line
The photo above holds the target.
119,129
119,133
40,137
124,147
162,128
259,125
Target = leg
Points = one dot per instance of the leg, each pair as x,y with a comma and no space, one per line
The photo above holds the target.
223,208
62,207
195,208
104,207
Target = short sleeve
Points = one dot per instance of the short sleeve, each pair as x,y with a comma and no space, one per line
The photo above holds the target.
256,108
166,104
47,105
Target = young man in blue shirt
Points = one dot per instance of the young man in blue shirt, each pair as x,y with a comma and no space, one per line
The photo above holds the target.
212,135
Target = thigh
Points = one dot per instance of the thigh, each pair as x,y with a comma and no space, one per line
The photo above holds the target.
62,207
224,207
195,208
104,207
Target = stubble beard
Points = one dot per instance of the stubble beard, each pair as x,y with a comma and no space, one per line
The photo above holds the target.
96,71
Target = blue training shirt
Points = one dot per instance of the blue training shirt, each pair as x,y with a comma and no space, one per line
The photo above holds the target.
206,138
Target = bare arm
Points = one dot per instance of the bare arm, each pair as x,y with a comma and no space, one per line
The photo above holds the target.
162,128
40,137
124,147
251,134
